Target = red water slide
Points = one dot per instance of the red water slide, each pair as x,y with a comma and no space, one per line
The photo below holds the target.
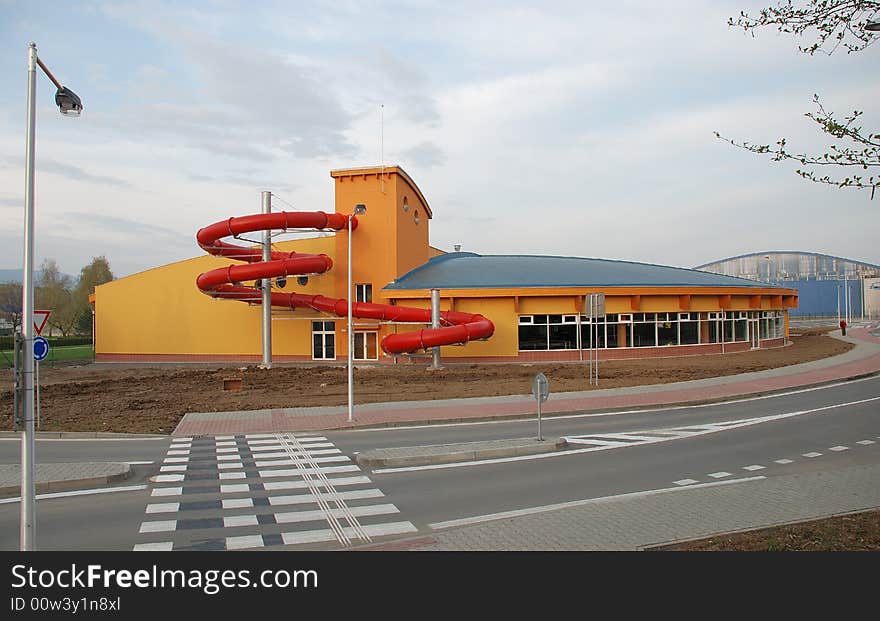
226,282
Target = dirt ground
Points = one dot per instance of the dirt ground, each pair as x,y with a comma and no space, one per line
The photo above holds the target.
854,533
96,397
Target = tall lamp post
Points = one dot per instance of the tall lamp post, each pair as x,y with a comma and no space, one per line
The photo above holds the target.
358,210
70,105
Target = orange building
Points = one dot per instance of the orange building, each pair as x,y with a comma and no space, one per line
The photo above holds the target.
537,303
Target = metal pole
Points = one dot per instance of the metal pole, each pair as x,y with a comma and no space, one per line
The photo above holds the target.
37,389
267,287
28,500
540,435
435,323
350,334
590,316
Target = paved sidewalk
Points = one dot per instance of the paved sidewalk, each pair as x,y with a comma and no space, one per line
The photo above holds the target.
58,477
861,361
637,522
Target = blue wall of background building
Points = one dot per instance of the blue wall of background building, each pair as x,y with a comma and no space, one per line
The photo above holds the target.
819,298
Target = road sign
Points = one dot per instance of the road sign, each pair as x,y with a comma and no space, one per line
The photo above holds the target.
40,319
41,348
541,388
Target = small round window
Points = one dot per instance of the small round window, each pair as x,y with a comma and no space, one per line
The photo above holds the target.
416,216
405,204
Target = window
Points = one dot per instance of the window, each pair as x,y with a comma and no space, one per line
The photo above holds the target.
363,293
365,346
688,329
644,330
545,332
596,336
324,340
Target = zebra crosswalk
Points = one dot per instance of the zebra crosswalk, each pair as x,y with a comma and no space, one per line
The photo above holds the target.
238,492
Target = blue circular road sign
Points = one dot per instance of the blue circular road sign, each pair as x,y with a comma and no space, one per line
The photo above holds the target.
41,348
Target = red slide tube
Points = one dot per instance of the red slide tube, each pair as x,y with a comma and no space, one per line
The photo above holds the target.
225,282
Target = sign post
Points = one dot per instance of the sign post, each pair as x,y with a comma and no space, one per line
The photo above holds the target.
595,306
541,391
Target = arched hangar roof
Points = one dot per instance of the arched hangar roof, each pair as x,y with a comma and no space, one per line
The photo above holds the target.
788,252
467,270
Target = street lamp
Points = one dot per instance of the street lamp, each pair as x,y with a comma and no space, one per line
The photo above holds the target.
873,26
70,105
358,210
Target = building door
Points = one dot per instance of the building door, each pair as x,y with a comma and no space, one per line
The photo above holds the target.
754,337
323,340
365,346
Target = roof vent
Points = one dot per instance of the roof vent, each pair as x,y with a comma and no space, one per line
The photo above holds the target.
457,247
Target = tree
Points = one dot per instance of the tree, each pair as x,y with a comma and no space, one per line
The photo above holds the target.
95,273
10,303
834,23
53,292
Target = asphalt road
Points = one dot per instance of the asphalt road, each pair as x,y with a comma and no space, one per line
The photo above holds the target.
699,444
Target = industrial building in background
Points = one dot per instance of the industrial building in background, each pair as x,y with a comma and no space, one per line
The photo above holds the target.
827,286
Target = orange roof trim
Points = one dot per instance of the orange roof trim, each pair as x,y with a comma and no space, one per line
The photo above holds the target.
377,170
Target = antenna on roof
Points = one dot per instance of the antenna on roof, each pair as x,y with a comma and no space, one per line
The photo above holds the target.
382,147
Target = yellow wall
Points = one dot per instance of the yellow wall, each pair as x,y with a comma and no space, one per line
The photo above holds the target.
161,311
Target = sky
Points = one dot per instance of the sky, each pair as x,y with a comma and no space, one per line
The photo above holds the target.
556,128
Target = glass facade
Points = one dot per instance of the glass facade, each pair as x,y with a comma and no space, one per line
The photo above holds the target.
554,332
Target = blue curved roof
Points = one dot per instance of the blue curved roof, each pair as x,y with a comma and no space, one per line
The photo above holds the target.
467,270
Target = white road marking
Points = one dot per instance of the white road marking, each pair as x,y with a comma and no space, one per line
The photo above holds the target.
179,440
233,449
753,467
579,503
837,449
244,541
232,521
274,455
161,546
303,440
181,468
163,507
178,452
686,482
320,514
168,460
224,438
158,527
373,530
813,454
78,492
865,442
285,462
224,476
719,475
167,491
296,499
235,457
169,478
139,463
237,503
279,447
228,443
234,488
784,461
231,464
300,484
264,474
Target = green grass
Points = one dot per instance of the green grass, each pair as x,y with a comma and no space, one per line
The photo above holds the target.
56,354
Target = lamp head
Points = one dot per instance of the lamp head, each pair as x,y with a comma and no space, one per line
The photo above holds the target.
360,209
68,102
873,26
